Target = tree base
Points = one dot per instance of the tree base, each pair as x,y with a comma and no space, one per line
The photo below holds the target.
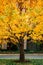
19,61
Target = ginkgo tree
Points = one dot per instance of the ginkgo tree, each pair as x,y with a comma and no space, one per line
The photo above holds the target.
19,18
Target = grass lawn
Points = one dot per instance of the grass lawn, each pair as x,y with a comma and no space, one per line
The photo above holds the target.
11,62
17,51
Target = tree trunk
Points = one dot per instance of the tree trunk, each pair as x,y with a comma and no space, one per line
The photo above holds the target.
22,58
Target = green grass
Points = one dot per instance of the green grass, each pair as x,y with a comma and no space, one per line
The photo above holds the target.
35,51
11,62
17,51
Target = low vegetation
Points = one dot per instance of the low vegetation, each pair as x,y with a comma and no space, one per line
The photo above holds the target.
11,62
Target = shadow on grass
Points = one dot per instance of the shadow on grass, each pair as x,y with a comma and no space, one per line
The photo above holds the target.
12,62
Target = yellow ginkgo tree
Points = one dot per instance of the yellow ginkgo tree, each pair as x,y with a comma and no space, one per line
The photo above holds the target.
19,18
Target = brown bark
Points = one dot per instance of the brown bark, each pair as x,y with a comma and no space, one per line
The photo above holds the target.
22,58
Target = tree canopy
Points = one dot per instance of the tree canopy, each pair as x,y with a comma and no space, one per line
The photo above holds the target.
21,17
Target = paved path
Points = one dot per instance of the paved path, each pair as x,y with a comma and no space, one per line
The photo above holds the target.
16,56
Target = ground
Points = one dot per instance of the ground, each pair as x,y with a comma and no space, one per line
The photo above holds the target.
11,62
16,56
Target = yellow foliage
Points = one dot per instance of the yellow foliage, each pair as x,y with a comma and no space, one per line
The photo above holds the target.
29,18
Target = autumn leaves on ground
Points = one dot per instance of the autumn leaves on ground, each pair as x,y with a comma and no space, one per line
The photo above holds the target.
20,20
